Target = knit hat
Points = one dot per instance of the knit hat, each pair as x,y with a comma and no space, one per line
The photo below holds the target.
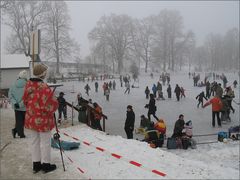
40,70
129,107
23,74
189,123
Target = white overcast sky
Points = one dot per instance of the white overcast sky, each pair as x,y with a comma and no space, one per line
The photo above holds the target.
203,17
200,16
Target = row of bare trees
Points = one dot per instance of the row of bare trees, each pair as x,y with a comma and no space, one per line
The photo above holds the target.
51,17
159,41
120,41
219,52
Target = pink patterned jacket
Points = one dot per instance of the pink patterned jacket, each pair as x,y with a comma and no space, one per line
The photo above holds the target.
40,106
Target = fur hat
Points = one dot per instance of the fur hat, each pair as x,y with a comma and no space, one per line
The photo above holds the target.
23,74
40,70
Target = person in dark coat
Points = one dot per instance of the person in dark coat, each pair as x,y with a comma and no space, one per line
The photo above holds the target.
208,89
179,126
147,92
235,83
129,123
144,123
97,117
62,108
169,91
151,108
154,90
177,91
200,98
96,86
87,88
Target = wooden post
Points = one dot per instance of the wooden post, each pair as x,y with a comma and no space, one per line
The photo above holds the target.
103,124
89,118
33,53
72,113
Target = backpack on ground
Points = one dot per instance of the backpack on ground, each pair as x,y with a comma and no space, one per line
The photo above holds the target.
171,143
234,133
222,135
193,143
66,145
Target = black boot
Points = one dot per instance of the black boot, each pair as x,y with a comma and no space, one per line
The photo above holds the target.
47,167
14,132
37,166
23,136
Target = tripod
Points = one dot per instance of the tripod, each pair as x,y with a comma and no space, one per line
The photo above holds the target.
56,137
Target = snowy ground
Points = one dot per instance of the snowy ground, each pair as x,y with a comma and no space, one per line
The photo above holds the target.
208,161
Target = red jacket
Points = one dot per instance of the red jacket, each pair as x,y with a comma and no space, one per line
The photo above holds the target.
96,115
40,106
216,104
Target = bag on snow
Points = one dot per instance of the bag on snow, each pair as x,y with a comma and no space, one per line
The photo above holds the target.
171,143
185,143
222,135
193,143
66,145
234,132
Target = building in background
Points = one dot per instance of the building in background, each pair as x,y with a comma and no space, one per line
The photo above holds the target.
11,65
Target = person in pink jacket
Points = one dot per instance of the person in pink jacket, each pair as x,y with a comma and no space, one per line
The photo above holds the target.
40,105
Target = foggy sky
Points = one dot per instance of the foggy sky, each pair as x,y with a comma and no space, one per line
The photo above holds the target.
202,17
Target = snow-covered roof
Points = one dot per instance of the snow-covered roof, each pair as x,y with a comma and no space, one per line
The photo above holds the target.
14,61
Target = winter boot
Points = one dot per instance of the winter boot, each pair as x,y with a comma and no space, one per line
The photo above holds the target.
37,166
23,136
47,167
14,132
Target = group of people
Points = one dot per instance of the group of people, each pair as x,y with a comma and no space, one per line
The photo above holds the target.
89,112
221,103
107,87
158,92
34,104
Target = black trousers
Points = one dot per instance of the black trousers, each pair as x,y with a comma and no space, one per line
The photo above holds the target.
230,105
129,132
200,102
62,110
215,113
154,115
96,124
19,125
178,97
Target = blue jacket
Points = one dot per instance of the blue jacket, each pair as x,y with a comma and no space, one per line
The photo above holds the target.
15,94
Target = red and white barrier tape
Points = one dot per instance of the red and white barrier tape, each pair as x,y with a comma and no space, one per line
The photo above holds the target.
77,167
118,156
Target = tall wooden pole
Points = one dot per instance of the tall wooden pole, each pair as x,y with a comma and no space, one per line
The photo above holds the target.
33,54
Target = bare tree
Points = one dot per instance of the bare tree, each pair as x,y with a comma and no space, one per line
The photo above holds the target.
168,28
5,4
114,30
214,44
231,49
21,16
142,39
57,42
